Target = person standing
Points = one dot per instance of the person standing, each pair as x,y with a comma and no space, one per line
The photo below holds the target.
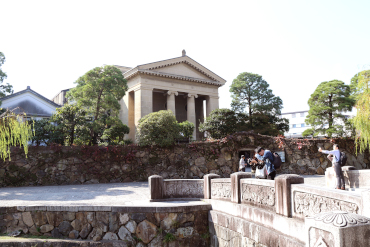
242,164
336,165
268,158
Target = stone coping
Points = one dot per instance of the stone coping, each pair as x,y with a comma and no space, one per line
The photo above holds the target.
183,180
264,182
155,207
217,180
268,219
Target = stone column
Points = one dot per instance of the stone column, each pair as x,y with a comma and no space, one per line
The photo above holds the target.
191,112
207,184
156,187
171,101
283,193
211,104
235,185
143,103
337,229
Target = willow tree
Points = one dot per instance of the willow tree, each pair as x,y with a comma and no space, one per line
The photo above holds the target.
362,119
13,132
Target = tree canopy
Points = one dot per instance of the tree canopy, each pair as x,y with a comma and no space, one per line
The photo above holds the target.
361,121
99,92
4,88
327,103
255,102
220,123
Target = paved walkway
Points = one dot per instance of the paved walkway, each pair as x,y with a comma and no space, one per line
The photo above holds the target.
114,194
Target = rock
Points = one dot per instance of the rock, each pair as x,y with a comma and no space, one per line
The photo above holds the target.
69,216
81,217
196,171
39,218
151,218
90,217
86,229
56,234
227,156
131,226
123,218
113,222
96,233
140,245
320,171
185,217
46,228
199,218
54,218
200,161
156,242
27,219
328,146
22,226
316,162
77,225
102,217
125,234
226,170
97,238
168,221
138,217
301,163
73,234
212,165
35,231
65,227
184,232
221,161
110,236
146,231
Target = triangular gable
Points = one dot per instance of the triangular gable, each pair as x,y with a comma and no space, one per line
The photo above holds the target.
192,69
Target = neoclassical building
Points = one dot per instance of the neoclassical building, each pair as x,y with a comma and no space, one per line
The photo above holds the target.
180,84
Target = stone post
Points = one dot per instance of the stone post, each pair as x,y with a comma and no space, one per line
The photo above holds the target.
207,184
235,185
171,101
191,117
365,201
156,187
283,193
337,229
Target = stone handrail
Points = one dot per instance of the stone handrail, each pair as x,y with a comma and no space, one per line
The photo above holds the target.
353,178
258,193
310,200
221,188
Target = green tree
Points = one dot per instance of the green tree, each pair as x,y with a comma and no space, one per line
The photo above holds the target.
68,119
361,121
220,123
99,92
327,103
186,129
256,104
355,89
4,88
158,128
45,132
115,134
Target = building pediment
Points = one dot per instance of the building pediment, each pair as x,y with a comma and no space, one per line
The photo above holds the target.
182,68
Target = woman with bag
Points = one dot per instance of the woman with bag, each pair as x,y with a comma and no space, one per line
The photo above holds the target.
268,158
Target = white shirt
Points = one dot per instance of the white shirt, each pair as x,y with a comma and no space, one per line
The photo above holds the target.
241,163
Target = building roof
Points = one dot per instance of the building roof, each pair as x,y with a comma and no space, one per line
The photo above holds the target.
293,112
29,90
149,68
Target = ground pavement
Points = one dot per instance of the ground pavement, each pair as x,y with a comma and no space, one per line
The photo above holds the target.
113,194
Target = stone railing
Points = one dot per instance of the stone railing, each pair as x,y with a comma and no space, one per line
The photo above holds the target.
175,188
221,188
258,193
353,178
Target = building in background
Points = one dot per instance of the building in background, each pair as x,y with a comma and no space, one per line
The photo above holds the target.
60,98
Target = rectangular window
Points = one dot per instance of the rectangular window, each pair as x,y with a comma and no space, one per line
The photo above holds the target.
294,126
302,125
302,114
293,115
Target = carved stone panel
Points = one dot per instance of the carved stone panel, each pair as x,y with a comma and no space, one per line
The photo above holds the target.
308,204
221,190
258,195
183,189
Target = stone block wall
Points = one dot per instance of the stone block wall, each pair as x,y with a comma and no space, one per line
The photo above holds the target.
58,165
129,228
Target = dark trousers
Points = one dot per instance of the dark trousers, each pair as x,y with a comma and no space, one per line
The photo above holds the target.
339,174
243,169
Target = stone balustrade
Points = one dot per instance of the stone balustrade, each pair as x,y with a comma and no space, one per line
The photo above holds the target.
353,178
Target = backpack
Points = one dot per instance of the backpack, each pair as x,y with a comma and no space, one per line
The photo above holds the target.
277,160
343,159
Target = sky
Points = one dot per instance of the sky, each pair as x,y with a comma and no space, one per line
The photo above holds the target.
293,45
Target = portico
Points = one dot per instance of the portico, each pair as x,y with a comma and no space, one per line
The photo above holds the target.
179,84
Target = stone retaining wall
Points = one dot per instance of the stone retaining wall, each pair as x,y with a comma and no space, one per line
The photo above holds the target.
58,165
151,227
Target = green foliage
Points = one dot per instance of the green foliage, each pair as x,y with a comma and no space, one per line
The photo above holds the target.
219,123
69,119
257,107
187,129
99,92
169,238
158,128
45,132
362,119
4,89
327,103
13,132
115,134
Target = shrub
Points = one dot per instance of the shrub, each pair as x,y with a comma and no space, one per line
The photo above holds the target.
115,134
220,123
158,128
186,129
